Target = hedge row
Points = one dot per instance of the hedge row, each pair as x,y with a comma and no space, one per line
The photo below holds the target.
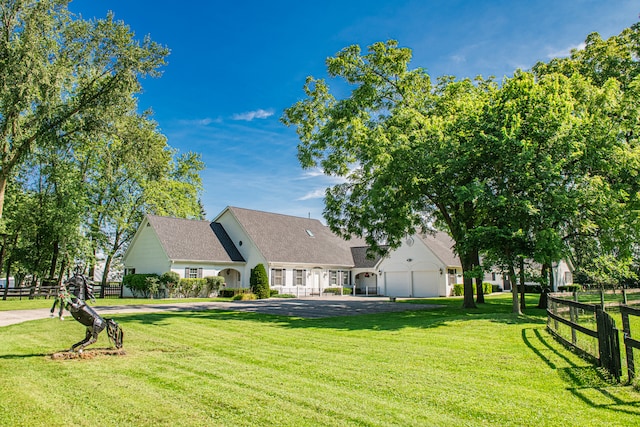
171,285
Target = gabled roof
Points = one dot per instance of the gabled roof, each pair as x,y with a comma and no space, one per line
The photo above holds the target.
193,240
290,239
361,258
442,246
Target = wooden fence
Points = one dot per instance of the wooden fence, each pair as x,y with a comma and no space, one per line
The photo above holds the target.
588,320
629,342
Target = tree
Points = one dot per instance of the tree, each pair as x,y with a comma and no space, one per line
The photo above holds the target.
62,75
606,224
259,282
406,149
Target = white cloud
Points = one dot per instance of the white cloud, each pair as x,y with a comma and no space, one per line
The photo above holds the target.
565,52
251,115
315,194
200,122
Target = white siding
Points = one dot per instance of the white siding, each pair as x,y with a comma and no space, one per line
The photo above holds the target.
146,254
247,249
413,271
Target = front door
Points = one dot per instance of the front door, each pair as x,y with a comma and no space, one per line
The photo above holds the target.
315,280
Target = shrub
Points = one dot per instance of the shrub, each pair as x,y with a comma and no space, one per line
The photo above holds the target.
458,289
153,285
259,282
335,291
273,292
246,296
138,284
213,284
232,292
188,288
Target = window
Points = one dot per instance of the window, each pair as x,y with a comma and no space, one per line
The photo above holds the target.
333,278
192,273
345,278
493,276
338,278
299,277
129,271
277,277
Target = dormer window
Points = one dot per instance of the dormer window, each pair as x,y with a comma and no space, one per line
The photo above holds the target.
309,233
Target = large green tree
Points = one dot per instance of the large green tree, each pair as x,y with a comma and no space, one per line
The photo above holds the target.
405,147
60,75
606,225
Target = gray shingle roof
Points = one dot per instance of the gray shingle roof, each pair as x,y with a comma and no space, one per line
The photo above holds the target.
360,258
285,238
442,246
193,240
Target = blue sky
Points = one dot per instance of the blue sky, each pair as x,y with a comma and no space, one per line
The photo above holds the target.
236,65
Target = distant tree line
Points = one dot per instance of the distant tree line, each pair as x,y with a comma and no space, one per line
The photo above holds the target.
79,165
543,165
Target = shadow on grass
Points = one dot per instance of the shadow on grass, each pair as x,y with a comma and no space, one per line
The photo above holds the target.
590,384
439,313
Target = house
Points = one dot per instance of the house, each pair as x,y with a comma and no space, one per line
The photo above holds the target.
562,275
301,255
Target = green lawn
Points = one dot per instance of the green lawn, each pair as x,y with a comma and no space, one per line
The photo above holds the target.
425,368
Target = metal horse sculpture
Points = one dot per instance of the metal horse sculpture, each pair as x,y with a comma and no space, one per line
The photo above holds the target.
76,291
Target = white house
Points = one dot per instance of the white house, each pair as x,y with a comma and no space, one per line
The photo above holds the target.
302,256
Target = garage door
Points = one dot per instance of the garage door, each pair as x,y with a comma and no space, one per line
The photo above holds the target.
398,283
426,283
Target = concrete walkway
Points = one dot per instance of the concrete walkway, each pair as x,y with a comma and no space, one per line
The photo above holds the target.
309,308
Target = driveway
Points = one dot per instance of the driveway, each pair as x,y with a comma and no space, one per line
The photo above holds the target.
308,308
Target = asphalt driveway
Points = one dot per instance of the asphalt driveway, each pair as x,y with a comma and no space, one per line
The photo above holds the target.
308,308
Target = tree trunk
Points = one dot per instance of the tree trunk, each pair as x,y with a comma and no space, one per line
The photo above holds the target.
467,267
544,274
523,303
479,289
514,290
54,260
6,289
3,189
105,274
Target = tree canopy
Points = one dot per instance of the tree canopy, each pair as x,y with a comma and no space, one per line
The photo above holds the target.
520,169
79,164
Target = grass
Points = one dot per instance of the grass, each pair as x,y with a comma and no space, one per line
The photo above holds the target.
27,304
425,368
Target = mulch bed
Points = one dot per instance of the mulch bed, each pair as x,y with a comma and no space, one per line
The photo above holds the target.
88,354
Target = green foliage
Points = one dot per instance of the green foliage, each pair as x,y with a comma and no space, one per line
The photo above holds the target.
213,284
259,282
335,291
232,292
458,289
169,278
139,285
245,296
189,288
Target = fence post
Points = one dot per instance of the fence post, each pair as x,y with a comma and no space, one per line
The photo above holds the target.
626,329
608,343
573,315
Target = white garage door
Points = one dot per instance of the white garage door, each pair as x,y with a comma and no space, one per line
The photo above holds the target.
398,283
425,283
